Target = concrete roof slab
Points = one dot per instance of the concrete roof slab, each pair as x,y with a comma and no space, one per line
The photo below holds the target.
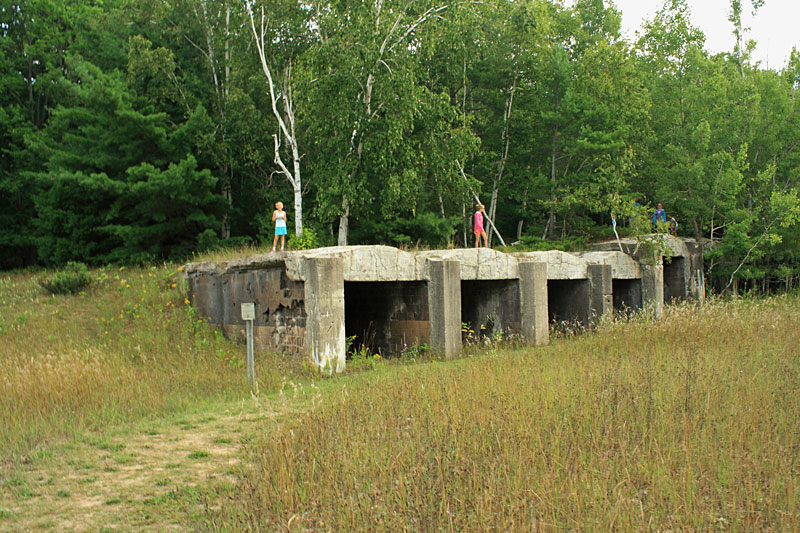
560,265
476,263
622,265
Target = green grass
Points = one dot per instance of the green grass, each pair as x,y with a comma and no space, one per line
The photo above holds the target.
127,348
688,423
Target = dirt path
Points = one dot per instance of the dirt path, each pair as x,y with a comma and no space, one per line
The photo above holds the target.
159,475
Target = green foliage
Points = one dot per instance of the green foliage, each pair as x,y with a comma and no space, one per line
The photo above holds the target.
120,185
425,228
306,241
73,279
208,240
131,133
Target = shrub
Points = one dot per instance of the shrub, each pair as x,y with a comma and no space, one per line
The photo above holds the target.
306,241
207,240
74,278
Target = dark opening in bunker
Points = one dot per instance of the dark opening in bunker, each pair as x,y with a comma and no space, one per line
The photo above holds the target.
568,301
627,294
490,307
385,316
674,279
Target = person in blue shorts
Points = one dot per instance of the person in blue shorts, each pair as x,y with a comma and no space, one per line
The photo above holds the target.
279,217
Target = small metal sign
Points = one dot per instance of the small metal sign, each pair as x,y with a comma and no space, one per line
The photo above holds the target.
248,311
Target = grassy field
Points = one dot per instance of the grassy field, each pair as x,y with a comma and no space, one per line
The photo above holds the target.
123,410
120,409
691,423
129,347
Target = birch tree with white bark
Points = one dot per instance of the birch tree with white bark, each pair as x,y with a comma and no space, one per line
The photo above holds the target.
282,103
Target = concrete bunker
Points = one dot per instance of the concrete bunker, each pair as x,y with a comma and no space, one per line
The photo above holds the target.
627,294
491,306
674,279
386,316
386,299
568,301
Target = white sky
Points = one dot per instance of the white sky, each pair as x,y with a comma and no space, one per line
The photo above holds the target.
776,26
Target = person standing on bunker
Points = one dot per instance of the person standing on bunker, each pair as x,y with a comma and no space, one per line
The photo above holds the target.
659,216
673,225
479,227
279,218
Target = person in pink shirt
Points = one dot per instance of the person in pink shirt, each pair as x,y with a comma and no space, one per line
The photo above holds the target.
479,227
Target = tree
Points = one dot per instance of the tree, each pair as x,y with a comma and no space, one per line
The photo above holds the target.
34,37
740,49
282,103
118,184
364,72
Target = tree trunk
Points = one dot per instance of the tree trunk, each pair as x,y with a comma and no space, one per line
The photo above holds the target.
344,221
228,196
501,165
464,218
551,222
298,210
697,233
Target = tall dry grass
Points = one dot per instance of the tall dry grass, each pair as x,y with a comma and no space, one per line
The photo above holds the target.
127,348
685,424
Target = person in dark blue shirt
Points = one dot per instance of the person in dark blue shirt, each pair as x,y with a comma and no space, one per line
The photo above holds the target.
659,216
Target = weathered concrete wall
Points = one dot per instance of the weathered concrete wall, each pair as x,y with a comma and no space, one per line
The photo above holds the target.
682,275
309,302
600,297
695,271
324,296
533,302
623,266
444,301
279,303
476,263
560,265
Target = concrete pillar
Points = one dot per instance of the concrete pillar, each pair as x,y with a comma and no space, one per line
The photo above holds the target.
444,306
653,287
601,300
533,302
324,304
